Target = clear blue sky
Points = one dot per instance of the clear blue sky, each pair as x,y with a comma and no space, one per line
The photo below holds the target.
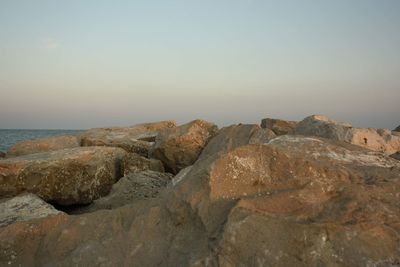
81,64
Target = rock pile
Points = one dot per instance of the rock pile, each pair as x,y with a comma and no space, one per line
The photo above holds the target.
295,194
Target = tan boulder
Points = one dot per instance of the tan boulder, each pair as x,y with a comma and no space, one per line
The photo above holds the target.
136,139
68,176
43,145
294,201
279,127
24,208
375,139
180,147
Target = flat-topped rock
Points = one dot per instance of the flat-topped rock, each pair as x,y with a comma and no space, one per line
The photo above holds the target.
68,176
180,147
375,139
24,208
43,145
279,127
137,139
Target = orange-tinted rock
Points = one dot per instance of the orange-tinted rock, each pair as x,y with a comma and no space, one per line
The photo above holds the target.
43,145
374,139
135,139
279,127
68,176
180,147
294,201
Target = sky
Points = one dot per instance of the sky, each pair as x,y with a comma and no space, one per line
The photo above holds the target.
92,63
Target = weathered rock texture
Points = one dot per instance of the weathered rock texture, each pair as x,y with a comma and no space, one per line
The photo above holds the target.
68,176
131,188
24,208
133,162
279,127
374,139
294,201
180,147
136,139
43,145
396,155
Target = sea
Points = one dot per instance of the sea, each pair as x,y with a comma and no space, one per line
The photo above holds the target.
9,137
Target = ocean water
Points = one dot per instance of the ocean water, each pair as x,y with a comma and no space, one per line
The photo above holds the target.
11,137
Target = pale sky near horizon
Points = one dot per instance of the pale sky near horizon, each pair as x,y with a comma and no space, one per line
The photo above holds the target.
82,64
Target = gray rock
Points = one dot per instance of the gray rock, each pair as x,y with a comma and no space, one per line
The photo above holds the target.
24,208
135,163
374,139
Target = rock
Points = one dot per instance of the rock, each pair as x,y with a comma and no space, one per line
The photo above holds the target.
279,127
43,145
396,155
133,162
374,139
180,147
24,208
136,139
294,201
397,129
68,176
132,187
262,136
2,154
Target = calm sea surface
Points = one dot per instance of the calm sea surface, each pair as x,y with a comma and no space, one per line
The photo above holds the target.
11,137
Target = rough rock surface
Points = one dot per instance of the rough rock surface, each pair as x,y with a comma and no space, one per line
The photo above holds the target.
375,139
279,127
24,208
133,162
295,201
43,145
180,147
396,155
68,176
130,188
136,139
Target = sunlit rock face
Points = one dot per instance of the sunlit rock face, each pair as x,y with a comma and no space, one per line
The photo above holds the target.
180,147
136,139
67,176
43,145
250,198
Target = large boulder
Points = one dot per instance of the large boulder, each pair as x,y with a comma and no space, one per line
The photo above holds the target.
131,188
294,201
43,145
24,208
279,127
180,147
68,176
375,139
135,139
133,162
